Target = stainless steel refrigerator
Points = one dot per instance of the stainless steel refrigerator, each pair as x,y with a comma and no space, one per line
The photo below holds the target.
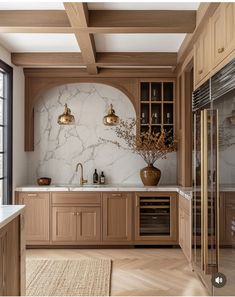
214,180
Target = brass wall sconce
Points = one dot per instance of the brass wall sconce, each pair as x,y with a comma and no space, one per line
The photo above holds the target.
111,119
66,118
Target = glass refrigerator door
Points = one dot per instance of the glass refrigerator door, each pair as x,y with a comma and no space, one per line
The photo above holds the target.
205,191
226,117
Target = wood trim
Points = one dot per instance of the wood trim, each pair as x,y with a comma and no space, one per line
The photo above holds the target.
79,17
48,59
142,21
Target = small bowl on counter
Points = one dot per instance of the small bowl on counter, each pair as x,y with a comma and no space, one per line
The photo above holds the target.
44,181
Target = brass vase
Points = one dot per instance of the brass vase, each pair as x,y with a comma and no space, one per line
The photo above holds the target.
150,175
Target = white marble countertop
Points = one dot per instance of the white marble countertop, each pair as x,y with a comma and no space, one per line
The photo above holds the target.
9,212
185,192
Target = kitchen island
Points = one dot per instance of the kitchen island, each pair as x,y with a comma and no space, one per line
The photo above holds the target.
12,250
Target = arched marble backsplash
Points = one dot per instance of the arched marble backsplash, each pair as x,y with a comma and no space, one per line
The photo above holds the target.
59,148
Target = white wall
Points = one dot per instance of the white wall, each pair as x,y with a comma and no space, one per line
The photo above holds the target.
59,148
19,155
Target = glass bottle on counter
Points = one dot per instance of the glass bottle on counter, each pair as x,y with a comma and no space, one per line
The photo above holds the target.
95,177
102,178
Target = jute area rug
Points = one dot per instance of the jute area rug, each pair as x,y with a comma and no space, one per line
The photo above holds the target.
85,277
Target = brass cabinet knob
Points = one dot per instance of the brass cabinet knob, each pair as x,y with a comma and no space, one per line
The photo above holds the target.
220,50
200,71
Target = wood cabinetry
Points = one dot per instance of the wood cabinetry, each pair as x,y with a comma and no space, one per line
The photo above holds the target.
10,266
222,32
202,55
215,43
156,218
185,226
117,217
227,218
76,217
37,216
157,98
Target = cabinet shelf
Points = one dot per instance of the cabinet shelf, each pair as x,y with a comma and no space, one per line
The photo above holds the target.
157,100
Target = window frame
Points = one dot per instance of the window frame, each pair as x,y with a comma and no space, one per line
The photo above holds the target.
7,134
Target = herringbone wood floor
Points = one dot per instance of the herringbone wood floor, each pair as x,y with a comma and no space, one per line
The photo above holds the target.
139,272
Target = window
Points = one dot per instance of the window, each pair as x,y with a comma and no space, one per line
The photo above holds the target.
5,133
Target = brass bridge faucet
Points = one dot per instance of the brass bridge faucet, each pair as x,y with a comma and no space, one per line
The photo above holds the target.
82,180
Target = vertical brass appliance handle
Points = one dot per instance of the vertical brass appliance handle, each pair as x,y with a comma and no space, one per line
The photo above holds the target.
218,191
205,192
202,190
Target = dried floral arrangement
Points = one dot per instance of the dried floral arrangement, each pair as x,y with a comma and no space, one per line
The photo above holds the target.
149,145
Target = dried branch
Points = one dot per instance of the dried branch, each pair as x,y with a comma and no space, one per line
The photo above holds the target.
149,145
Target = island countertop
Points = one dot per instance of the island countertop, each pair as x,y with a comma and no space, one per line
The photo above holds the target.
9,212
185,192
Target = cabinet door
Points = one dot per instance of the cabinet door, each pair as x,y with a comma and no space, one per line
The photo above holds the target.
88,224
64,221
36,216
181,228
218,36
3,261
187,235
117,217
229,15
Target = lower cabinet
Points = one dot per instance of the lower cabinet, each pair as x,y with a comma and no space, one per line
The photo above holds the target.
117,217
37,216
75,224
10,259
185,226
227,218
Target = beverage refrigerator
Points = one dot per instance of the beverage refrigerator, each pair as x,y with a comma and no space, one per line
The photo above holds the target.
213,201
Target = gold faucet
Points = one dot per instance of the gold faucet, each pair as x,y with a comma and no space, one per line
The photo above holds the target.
82,180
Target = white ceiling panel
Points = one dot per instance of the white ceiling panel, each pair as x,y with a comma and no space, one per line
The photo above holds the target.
143,5
138,42
31,5
29,42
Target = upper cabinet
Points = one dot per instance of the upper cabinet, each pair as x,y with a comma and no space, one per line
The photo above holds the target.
222,32
202,54
157,98
215,43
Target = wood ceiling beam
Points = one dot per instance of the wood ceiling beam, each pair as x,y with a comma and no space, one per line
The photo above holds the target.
78,15
108,73
47,59
136,59
77,18
103,59
35,21
142,21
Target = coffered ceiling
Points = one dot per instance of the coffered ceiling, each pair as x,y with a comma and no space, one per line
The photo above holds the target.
98,35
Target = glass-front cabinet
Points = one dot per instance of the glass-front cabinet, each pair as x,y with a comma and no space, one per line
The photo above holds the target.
156,109
156,217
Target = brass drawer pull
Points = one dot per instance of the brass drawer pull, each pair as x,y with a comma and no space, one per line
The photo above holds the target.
32,195
116,195
220,50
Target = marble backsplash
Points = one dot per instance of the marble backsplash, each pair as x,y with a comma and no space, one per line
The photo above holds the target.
59,148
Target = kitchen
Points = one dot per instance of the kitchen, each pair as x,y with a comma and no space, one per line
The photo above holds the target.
122,147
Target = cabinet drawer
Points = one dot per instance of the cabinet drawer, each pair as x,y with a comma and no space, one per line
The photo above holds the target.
23,195
76,198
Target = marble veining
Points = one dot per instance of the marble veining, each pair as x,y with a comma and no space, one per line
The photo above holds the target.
59,148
